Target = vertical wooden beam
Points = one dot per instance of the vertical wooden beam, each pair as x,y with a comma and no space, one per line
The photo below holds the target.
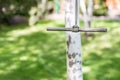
90,8
87,13
74,57
88,18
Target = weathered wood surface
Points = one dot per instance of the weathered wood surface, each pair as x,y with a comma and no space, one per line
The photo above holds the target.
74,57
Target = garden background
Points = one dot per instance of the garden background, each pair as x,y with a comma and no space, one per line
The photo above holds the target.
29,52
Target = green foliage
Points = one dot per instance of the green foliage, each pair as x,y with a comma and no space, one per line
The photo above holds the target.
28,8
17,6
9,8
101,9
34,54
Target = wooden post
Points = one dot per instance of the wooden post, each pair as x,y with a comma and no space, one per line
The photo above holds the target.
74,59
87,13
73,39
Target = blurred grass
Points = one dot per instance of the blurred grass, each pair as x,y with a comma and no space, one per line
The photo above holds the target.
32,53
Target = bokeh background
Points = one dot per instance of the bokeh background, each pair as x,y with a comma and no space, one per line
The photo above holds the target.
29,52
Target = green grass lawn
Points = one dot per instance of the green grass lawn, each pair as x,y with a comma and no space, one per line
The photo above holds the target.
35,54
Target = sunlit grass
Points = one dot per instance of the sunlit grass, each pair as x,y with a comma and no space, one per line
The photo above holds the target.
32,53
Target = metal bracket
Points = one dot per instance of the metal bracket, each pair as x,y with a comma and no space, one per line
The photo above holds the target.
77,29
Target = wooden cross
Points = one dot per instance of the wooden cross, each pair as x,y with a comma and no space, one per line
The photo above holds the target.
73,39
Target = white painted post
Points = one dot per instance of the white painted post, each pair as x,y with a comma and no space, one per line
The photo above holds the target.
74,57
73,39
87,13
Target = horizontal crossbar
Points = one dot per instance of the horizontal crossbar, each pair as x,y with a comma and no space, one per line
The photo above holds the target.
78,29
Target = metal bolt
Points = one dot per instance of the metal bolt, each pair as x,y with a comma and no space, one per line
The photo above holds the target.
75,28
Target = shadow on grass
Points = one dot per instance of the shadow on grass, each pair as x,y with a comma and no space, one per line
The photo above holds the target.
103,67
38,56
102,53
26,54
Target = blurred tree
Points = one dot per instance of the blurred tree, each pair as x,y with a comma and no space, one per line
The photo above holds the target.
35,9
37,12
10,8
99,8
